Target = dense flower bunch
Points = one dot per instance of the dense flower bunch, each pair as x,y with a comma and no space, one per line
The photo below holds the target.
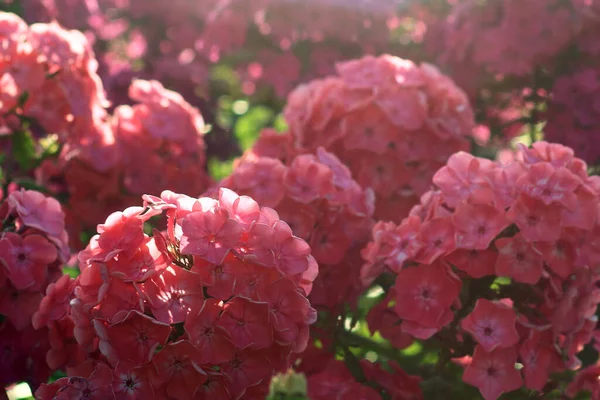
573,116
50,87
394,123
505,37
171,133
178,42
33,248
48,74
207,310
487,47
485,270
317,197
533,224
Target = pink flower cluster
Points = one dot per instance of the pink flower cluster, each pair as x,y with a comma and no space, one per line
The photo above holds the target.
506,37
209,309
392,122
169,130
317,197
172,46
49,74
534,223
573,115
33,248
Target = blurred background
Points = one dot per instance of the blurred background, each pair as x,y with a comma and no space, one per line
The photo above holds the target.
236,60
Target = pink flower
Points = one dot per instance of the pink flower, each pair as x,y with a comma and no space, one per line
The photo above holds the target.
477,225
55,303
438,238
132,382
26,259
212,340
493,372
536,221
38,211
248,323
540,358
136,338
307,179
550,184
178,369
424,293
172,294
209,234
97,386
518,259
492,325
475,263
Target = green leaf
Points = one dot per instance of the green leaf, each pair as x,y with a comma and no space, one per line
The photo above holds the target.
288,386
353,365
23,99
30,184
50,146
71,271
280,124
23,149
56,376
219,169
248,126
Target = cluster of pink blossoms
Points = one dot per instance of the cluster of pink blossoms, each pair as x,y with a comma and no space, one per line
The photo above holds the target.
48,77
501,37
33,249
317,197
209,309
169,130
535,224
573,115
48,74
171,44
393,123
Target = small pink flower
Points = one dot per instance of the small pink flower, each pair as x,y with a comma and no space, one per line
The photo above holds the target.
493,372
492,325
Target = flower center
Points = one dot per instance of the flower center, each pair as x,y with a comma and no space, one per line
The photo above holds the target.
178,365
129,383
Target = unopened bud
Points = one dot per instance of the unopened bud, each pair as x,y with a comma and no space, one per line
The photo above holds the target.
288,386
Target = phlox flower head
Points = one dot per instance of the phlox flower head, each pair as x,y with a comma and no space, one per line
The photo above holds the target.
376,111
502,255
211,307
